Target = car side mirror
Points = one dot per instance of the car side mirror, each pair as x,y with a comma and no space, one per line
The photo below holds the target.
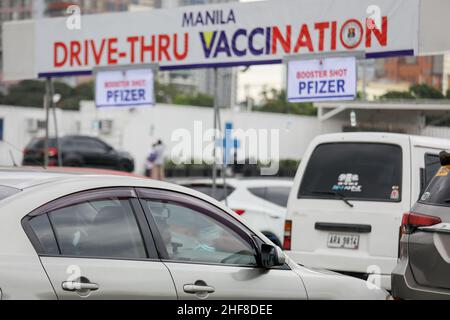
271,256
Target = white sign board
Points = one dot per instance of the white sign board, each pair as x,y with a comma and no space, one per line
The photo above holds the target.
322,79
124,88
219,35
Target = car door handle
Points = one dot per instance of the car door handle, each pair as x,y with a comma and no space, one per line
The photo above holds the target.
192,288
79,286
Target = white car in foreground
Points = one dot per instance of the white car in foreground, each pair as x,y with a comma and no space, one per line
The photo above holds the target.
260,202
87,236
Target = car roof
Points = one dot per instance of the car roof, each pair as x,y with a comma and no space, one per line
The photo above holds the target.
27,177
384,137
244,182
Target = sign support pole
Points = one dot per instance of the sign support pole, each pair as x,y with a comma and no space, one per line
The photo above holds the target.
216,112
55,122
47,105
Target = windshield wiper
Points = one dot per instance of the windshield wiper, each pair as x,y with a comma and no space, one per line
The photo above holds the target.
336,194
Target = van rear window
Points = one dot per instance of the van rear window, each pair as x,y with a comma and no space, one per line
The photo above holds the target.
358,171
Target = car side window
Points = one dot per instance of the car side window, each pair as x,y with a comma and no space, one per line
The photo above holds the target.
192,236
44,232
98,228
432,165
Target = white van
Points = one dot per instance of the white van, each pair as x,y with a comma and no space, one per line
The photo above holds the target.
348,198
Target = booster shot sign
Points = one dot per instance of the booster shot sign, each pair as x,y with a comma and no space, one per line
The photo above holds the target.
123,88
322,79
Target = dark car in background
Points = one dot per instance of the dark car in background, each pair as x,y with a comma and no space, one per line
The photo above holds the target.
423,270
78,151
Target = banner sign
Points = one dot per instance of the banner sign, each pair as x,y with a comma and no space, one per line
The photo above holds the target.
117,88
322,79
221,35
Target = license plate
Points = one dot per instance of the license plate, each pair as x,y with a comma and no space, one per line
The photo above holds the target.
344,241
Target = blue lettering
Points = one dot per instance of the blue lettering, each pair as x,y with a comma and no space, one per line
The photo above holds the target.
188,19
237,51
340,85
253,50
208,49
222,45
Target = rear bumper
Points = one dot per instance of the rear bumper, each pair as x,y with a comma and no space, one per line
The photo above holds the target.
379,268
405,287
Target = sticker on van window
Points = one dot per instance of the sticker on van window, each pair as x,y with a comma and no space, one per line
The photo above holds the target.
348,182
425,196
395,193
443,172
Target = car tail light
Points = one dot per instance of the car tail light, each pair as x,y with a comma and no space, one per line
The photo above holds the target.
287,235
412,220
239,211
52,152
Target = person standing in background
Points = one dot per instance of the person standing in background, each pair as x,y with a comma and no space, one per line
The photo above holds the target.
157,171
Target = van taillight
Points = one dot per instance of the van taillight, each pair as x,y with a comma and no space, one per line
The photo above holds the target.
412,220
287,235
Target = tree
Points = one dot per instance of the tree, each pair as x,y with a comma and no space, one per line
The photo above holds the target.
274,100
30,93
416,91
424,91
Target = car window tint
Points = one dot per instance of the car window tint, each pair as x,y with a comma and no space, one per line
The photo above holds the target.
438,191
432,165
44,232
192,236
259,192
359,171
278,195
103,228
207,189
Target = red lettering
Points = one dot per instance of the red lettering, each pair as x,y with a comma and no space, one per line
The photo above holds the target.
57,60
132,41
277,36
147,48
163,45
321,26
75,50
333,35
112,49
381,35
304,40
183,55
97,54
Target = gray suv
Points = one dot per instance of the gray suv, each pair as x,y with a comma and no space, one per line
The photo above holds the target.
423,271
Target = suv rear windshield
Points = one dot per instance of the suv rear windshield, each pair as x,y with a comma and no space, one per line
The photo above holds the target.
438,191
6,192
358,171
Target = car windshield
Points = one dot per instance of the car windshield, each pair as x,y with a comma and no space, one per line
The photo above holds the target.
438,191
358,171
6,192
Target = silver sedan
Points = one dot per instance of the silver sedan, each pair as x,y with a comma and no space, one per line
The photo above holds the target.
90,236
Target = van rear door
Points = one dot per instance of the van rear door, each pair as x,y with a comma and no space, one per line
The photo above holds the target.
349,205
